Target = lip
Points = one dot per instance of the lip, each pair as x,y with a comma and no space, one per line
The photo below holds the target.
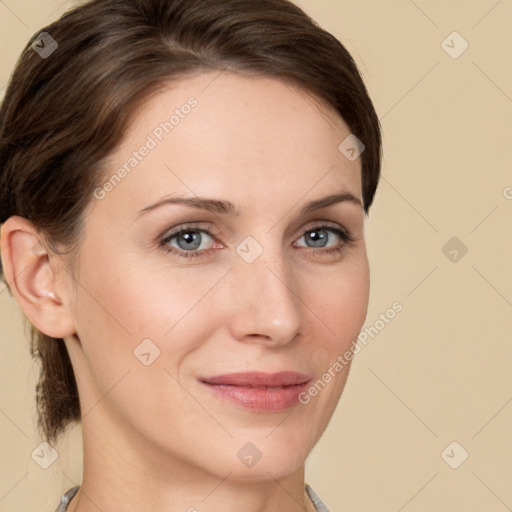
259,391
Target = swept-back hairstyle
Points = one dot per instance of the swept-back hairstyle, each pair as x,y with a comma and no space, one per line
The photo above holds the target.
63,115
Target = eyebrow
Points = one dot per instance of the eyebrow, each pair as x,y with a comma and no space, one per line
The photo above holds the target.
229,209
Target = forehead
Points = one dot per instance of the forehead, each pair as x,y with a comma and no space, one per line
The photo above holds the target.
214,133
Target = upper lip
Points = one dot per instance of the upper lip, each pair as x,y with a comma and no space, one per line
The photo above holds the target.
259,379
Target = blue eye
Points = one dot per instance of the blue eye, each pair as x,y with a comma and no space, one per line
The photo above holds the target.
317,236
190,239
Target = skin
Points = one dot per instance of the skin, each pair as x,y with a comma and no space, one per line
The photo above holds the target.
154,439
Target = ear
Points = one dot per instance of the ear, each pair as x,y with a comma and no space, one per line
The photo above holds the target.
32,278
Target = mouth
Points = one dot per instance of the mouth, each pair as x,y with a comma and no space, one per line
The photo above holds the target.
258,391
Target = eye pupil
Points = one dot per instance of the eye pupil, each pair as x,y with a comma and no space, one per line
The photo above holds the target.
190,237
320,236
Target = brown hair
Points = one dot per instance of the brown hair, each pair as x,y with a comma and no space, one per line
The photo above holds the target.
63,115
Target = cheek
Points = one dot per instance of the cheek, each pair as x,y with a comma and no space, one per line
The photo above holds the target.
122,301
125,293
340,301
127,316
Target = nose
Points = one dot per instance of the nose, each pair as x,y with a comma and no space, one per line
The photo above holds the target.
265,306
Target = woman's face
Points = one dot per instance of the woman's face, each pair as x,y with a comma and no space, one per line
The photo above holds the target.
265,290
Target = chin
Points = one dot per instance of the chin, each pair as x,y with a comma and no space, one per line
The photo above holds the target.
266,458
265,471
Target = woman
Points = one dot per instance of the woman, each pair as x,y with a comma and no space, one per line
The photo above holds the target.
184,189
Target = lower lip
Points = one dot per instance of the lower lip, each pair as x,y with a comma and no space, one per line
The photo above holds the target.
264,400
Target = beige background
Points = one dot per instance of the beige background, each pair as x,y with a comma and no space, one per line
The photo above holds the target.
440,370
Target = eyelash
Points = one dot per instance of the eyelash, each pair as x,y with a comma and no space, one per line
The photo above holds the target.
343,234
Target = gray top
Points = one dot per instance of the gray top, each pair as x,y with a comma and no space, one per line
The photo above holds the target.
68,496
319,504
64,501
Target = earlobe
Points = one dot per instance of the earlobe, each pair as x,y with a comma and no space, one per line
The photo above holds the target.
31,278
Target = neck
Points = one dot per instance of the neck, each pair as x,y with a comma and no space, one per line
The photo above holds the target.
123,471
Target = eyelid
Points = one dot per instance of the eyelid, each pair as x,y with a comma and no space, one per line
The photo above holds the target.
324,223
